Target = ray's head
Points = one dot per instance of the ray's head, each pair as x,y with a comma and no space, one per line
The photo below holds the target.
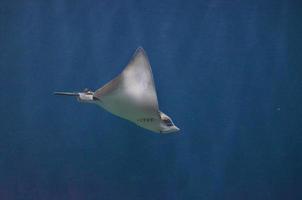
166,124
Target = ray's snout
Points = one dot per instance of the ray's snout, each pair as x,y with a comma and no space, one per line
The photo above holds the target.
171,129
174,129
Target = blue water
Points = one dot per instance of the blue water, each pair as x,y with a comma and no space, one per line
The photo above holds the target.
227,72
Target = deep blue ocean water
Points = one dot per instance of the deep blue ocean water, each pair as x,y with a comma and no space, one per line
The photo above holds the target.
227,72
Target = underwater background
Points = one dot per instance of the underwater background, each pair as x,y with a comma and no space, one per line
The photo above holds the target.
227,72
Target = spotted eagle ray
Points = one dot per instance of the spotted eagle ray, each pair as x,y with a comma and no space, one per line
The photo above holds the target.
131,95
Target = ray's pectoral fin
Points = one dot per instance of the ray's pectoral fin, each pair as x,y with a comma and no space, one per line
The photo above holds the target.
131,94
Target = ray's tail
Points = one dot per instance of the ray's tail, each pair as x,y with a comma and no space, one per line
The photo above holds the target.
67,93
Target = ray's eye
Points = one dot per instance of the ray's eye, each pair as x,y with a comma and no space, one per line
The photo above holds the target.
168,122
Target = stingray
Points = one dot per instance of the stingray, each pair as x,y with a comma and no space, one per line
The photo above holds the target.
131,95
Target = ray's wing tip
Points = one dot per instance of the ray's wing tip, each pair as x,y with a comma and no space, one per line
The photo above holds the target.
139,50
